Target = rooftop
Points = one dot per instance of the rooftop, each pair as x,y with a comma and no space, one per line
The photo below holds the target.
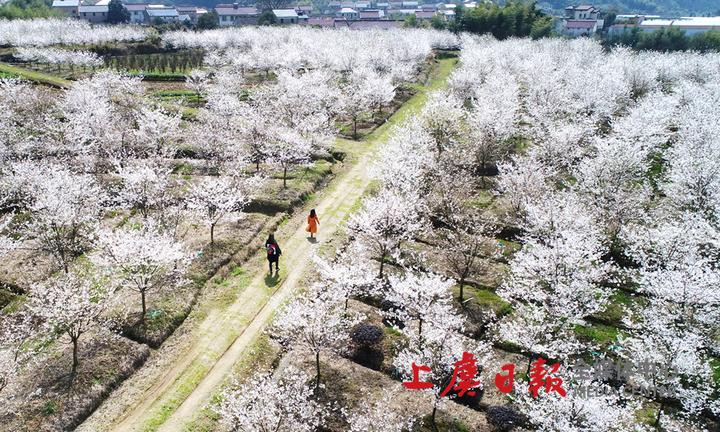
65,3
135,7
285,13
92,8
581,7
162,13
222,9
688,22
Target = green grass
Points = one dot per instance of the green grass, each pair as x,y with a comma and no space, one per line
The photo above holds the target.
715,364
489,300
615,310
599,333
191,378
38,77
483,199
261,354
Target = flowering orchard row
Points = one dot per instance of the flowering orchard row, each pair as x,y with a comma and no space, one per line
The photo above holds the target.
88,183
603,167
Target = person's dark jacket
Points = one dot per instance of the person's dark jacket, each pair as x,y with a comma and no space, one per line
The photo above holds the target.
277,249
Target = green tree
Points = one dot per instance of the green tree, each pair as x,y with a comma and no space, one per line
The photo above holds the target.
117,13
515,19
438,22
706,41
267,18
411,21
208,21
26,9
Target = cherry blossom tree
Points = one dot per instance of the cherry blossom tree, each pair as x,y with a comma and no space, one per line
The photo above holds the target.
65,209
598,407
384,223
58,56
71,304
439,349
7,243
15,330
288,149
145,187
212,198
423,298
144,259
379,416
272,404
197,81
669,361
317,323
465,238
347,275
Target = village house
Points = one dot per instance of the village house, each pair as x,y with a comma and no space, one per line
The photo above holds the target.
163,15
233,14
582,20
349,14
190,13
289,16
137,12
582,12
689,25
93,14
68,7
372,14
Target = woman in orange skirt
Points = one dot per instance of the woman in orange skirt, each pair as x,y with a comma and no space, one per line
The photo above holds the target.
313,222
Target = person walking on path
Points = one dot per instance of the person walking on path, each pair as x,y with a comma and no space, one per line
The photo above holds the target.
273,252
313,222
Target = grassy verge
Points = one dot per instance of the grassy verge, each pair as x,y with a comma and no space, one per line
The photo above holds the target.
261,356
38,77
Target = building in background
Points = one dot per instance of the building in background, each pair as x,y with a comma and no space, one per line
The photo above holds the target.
690,25
349,14
93,14
163,14
234,14
288,16
137,12
582,20
68,7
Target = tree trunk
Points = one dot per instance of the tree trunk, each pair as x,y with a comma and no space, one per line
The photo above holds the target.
382,264
317,371
527,372
355,128
419,326
284,176
75,356
144,307
462,288
212,233
432,418
659,413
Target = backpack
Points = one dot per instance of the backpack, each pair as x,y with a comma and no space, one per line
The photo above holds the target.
271,250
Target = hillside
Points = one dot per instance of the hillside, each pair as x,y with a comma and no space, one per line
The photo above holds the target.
658,7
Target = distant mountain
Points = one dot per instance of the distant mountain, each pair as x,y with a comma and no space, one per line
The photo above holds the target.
649,7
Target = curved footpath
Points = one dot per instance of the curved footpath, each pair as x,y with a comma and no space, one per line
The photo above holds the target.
175,385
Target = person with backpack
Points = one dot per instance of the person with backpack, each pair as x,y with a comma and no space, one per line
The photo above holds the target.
313,222
273,252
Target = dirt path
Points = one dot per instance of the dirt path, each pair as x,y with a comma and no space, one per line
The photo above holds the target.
178,385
